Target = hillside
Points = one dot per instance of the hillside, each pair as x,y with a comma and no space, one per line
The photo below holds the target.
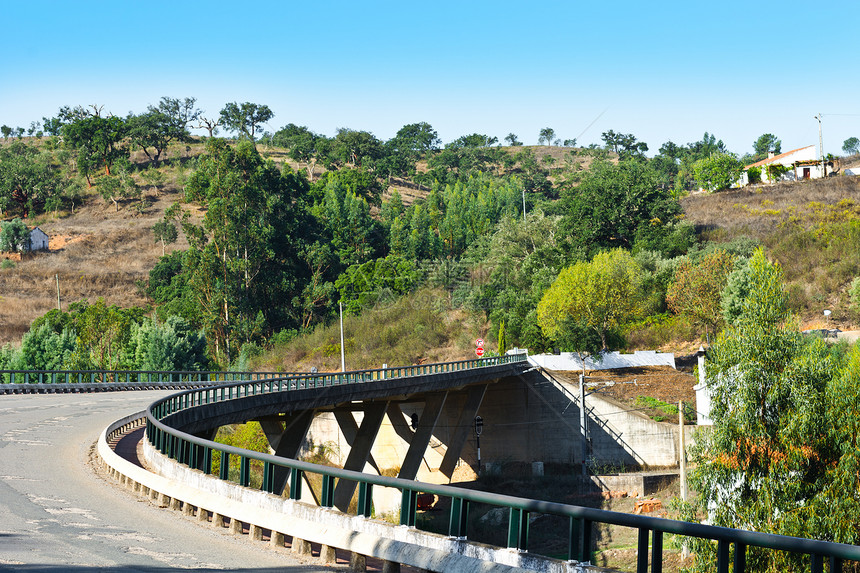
99,251
810,227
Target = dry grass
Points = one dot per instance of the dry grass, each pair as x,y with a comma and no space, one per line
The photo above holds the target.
811,227
758,211
97,253
416,329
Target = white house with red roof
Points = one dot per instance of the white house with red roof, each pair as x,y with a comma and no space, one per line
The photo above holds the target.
794,165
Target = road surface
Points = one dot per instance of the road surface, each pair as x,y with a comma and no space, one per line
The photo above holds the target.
57,514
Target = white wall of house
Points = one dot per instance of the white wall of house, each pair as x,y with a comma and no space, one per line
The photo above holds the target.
787,160
38,240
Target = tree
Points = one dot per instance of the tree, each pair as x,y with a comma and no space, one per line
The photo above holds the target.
304,146
14,236
601,294
151,129
717,172
513,140
245,118
547,134
416,139
359,148
210,125
99,142
6,131
377,281
697,288
115,188
851,146
570,142
472,140
612,202
244,260
181,112
781,457
165,229
766,143
28,178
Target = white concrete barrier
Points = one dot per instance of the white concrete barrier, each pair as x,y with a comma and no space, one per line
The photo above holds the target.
569,360
176,486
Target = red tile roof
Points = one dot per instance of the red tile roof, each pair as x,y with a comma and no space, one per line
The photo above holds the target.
776,157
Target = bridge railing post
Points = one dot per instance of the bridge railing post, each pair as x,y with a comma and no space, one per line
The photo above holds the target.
458,520
296,483
518,529
408,507
327,496
365,498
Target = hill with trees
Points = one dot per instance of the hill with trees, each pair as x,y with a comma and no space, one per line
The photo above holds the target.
256,240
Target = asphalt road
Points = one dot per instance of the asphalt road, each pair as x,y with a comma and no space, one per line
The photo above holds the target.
57,514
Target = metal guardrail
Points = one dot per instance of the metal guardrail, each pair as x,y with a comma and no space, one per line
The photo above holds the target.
199,454
131,376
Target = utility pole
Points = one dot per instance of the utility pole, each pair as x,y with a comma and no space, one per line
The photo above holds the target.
682,465
821,147
524,203
582,427
342,355
57,277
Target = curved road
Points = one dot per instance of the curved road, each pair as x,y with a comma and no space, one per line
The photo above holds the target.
56,514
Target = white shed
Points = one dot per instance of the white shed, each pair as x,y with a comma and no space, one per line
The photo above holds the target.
38,240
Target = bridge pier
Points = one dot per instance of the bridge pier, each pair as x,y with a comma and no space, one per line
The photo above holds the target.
463,425
423,433
374,413
349,429
285,438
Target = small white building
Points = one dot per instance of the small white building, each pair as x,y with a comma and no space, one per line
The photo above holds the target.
38,240
800,163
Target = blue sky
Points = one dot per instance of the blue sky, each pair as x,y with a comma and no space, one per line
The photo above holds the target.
662,71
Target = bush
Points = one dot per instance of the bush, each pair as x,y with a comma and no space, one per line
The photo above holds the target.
14,236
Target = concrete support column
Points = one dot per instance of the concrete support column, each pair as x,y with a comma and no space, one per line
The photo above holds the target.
328,554
300,546
255,532
349,429
202,515
374,413
217,520
285,439
236,526
429,416
390,567
277,539
464,428
357,563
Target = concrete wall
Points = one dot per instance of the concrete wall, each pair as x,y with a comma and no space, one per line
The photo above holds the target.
569,361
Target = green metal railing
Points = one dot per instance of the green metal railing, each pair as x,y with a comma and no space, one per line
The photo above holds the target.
130,376
200,454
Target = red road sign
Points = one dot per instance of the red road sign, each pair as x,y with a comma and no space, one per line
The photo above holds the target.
479,351
479,342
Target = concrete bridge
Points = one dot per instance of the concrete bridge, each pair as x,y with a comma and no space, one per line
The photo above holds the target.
424,405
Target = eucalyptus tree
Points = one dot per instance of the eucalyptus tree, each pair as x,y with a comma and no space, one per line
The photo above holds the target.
245,255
